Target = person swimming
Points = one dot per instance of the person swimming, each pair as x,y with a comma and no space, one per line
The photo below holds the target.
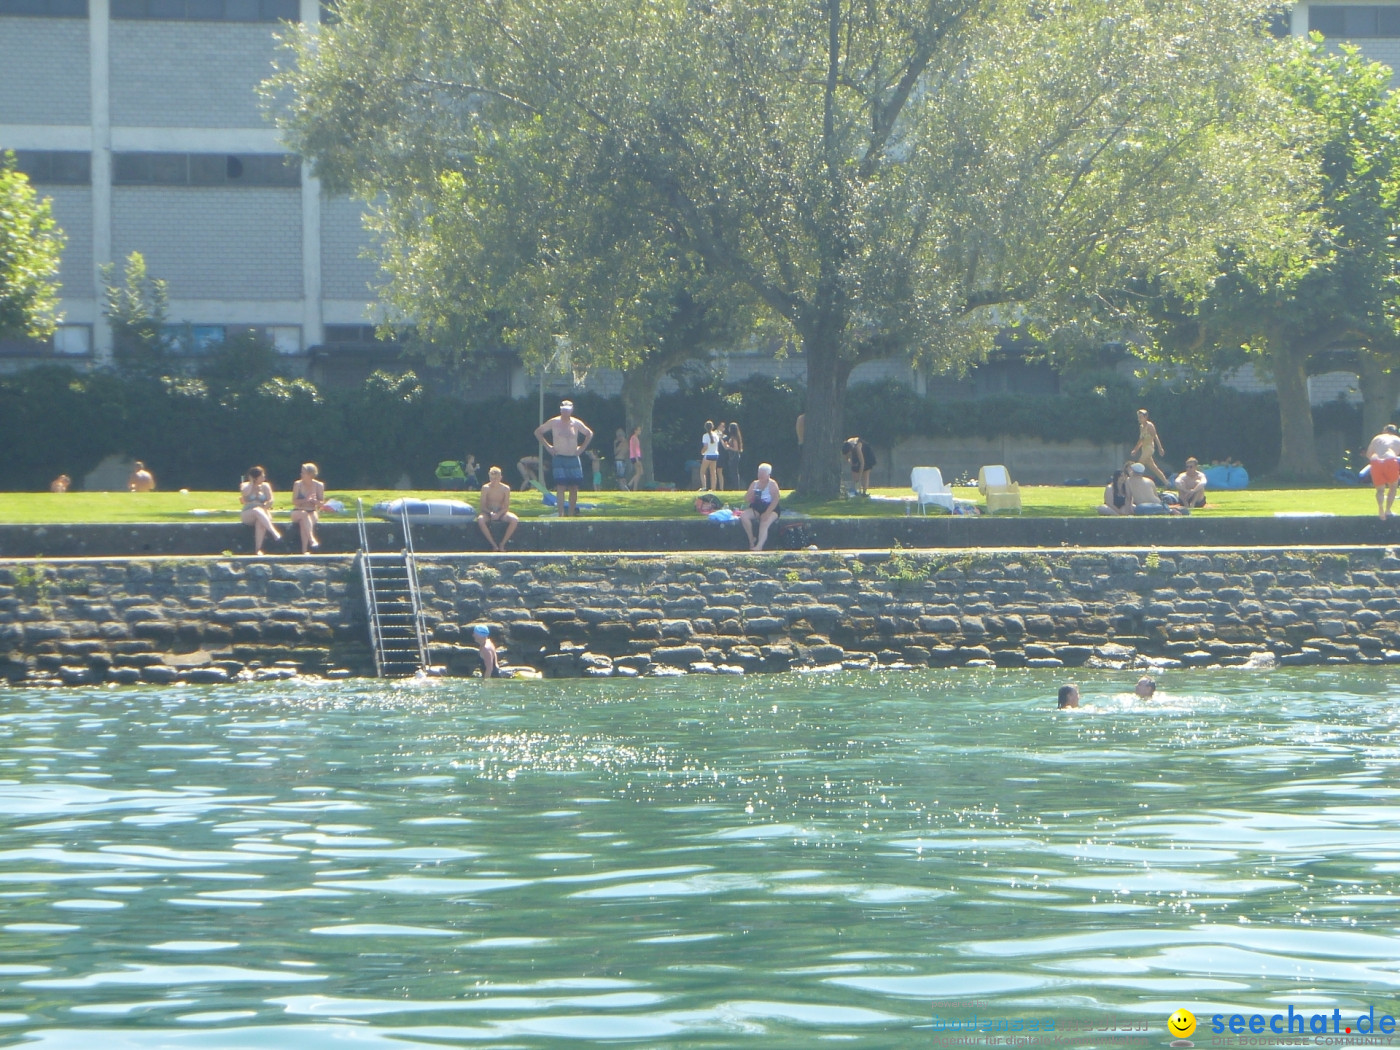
1069,695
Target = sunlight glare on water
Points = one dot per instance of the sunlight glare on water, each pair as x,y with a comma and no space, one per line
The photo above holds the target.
694,862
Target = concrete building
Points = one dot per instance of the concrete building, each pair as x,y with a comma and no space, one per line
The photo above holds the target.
140,119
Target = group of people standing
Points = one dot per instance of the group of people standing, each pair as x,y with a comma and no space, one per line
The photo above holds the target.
721,456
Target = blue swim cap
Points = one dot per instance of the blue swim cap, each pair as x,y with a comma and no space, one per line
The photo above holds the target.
481,631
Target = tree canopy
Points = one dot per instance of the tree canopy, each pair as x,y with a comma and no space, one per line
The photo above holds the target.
30,245
1285,310
901,178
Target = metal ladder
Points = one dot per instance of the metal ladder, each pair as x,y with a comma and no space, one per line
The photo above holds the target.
394,605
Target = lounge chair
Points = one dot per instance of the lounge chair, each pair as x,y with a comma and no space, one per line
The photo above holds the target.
1000,491
929,488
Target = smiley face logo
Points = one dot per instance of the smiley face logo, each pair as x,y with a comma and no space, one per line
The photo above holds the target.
1181,1024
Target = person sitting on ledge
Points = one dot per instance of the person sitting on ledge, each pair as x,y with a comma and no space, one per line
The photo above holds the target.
256,497
1142,494
60,483
495,506
762,499
308,497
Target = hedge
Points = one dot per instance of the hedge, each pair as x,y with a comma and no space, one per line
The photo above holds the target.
202,434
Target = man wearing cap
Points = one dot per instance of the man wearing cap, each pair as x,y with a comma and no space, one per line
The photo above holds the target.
568,440
1142,494
1384,454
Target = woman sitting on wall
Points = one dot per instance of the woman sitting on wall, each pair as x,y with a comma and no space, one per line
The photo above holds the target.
308,497
256,496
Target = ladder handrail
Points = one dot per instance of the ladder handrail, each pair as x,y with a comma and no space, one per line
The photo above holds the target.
376,633
415,598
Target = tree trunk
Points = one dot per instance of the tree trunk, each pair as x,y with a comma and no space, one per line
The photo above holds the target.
1380,390
820,474
1298,456
639,385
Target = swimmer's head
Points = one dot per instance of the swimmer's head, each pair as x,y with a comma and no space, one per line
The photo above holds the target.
481,631
1069,696
1145,687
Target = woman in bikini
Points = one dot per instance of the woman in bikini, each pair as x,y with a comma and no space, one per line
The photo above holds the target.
256,497
308,497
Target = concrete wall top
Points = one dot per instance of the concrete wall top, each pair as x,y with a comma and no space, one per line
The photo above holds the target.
582,535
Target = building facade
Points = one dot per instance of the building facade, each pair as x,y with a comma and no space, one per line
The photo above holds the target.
141,120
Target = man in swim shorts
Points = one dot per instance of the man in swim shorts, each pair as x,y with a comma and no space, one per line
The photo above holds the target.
1384,454
495,506
568,439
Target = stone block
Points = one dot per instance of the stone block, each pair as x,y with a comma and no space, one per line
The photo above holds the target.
765,625
677,655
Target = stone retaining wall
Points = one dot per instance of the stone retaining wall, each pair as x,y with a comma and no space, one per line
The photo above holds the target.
216,619
572,535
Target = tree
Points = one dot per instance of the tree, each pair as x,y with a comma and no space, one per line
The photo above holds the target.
1281,310
30,246
885,179
137,310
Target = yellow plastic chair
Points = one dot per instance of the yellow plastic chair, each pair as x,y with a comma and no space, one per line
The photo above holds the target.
1000,491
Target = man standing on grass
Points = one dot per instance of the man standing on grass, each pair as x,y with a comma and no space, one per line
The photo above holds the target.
568,440
1384,454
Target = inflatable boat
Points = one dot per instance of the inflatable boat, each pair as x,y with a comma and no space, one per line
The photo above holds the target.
426,511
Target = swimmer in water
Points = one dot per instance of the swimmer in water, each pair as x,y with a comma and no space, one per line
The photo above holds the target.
481,634
1146,688
1069,695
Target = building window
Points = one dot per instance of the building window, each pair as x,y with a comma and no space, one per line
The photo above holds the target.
57,167
1354,21
72,340
45,8
196,340
205,169
204,10
285,337
353,333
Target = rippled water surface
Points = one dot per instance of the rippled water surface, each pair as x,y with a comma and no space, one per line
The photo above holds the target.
706,862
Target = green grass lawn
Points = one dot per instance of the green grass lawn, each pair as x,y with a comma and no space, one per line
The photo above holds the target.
1038,501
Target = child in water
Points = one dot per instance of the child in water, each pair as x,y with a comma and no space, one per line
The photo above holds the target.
481,634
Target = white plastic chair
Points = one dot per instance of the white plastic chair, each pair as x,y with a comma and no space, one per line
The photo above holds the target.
928,486
1000,491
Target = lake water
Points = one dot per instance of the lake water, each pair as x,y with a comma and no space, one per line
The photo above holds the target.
705,862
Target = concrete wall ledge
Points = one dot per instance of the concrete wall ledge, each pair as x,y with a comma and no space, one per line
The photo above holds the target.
584,535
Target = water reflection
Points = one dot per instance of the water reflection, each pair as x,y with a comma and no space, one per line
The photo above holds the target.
687,862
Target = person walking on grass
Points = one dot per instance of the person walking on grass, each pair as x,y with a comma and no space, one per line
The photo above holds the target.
1148,446
634,457
1384,454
